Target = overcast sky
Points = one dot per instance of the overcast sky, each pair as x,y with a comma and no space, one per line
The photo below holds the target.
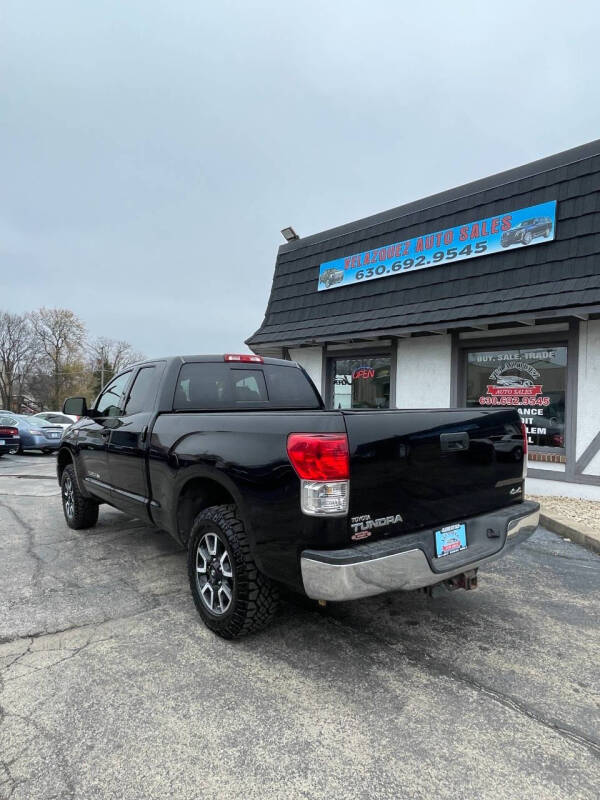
151,150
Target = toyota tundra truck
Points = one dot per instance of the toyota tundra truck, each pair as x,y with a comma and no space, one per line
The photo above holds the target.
238,459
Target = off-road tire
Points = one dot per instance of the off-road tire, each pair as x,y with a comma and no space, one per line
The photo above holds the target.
83,513
254,597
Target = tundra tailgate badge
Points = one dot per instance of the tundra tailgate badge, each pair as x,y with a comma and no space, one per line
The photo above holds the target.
363,524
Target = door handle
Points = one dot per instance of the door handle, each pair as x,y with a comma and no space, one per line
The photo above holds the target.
454,442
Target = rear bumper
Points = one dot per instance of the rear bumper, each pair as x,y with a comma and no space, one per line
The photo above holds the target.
393,564
7,448
40,443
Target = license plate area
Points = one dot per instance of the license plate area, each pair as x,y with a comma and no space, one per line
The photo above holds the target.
451,539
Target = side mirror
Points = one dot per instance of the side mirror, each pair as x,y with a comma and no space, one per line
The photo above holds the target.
75,406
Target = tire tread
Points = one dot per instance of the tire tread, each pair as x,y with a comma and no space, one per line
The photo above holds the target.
257,597
86,510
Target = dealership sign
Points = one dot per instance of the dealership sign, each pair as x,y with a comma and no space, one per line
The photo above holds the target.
521,228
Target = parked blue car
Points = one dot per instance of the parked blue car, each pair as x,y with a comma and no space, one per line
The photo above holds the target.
35,433
10,441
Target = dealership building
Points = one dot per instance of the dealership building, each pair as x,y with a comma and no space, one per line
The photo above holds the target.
487,295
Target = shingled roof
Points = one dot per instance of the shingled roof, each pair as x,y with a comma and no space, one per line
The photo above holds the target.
563,276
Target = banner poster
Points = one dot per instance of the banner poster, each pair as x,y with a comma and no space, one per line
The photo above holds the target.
522,228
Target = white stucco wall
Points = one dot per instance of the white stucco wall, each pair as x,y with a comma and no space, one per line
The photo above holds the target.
423,372
588,393
311,358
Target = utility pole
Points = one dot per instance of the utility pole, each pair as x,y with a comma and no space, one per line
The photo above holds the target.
101,374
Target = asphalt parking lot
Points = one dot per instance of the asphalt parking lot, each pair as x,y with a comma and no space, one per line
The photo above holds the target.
112,688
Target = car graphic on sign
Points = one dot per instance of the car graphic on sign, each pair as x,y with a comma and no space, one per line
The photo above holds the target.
332,276
526,231
513,380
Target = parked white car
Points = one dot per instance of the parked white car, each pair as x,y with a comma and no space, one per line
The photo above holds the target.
57,418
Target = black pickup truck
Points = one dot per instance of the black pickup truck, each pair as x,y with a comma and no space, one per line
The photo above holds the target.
237,458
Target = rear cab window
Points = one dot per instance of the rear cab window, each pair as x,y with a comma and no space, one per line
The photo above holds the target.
222,386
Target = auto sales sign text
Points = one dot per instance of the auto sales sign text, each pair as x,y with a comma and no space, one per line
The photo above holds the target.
514,229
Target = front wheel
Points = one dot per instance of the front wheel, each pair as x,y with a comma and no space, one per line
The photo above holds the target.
231,595
80,512
527,238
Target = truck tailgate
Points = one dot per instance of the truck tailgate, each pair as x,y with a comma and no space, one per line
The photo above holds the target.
431,467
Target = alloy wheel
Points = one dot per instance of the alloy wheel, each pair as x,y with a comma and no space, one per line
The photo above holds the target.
214,574
69,497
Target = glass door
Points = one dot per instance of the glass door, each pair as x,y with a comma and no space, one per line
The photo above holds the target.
361,382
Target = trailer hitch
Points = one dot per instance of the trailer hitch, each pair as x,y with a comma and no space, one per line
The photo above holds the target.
466,580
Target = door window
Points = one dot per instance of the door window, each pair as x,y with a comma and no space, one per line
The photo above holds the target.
531,379
109,402
361,382
143,391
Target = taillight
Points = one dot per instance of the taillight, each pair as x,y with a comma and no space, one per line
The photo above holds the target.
524,434
245,358
9,432
322,462
319,456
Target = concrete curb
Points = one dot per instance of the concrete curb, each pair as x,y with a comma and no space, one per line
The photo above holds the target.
564,527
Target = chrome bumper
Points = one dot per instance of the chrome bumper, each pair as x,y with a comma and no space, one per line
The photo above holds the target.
404,570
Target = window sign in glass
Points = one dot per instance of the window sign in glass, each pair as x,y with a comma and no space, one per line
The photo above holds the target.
531,379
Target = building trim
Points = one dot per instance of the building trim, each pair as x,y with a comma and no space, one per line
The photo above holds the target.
564,314
571,398
548,475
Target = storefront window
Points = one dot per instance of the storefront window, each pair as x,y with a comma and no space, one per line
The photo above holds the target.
532,379
361,382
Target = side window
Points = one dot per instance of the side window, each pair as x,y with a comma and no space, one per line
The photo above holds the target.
142,393
109,402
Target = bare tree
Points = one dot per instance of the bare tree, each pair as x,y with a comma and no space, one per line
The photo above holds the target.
109,356
16,352
60,336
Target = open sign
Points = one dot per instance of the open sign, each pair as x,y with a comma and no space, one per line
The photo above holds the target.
363,372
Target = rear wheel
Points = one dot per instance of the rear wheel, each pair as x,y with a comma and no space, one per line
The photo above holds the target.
80,512
231,595
527,238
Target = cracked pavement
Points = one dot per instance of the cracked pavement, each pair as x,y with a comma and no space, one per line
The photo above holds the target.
110,686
